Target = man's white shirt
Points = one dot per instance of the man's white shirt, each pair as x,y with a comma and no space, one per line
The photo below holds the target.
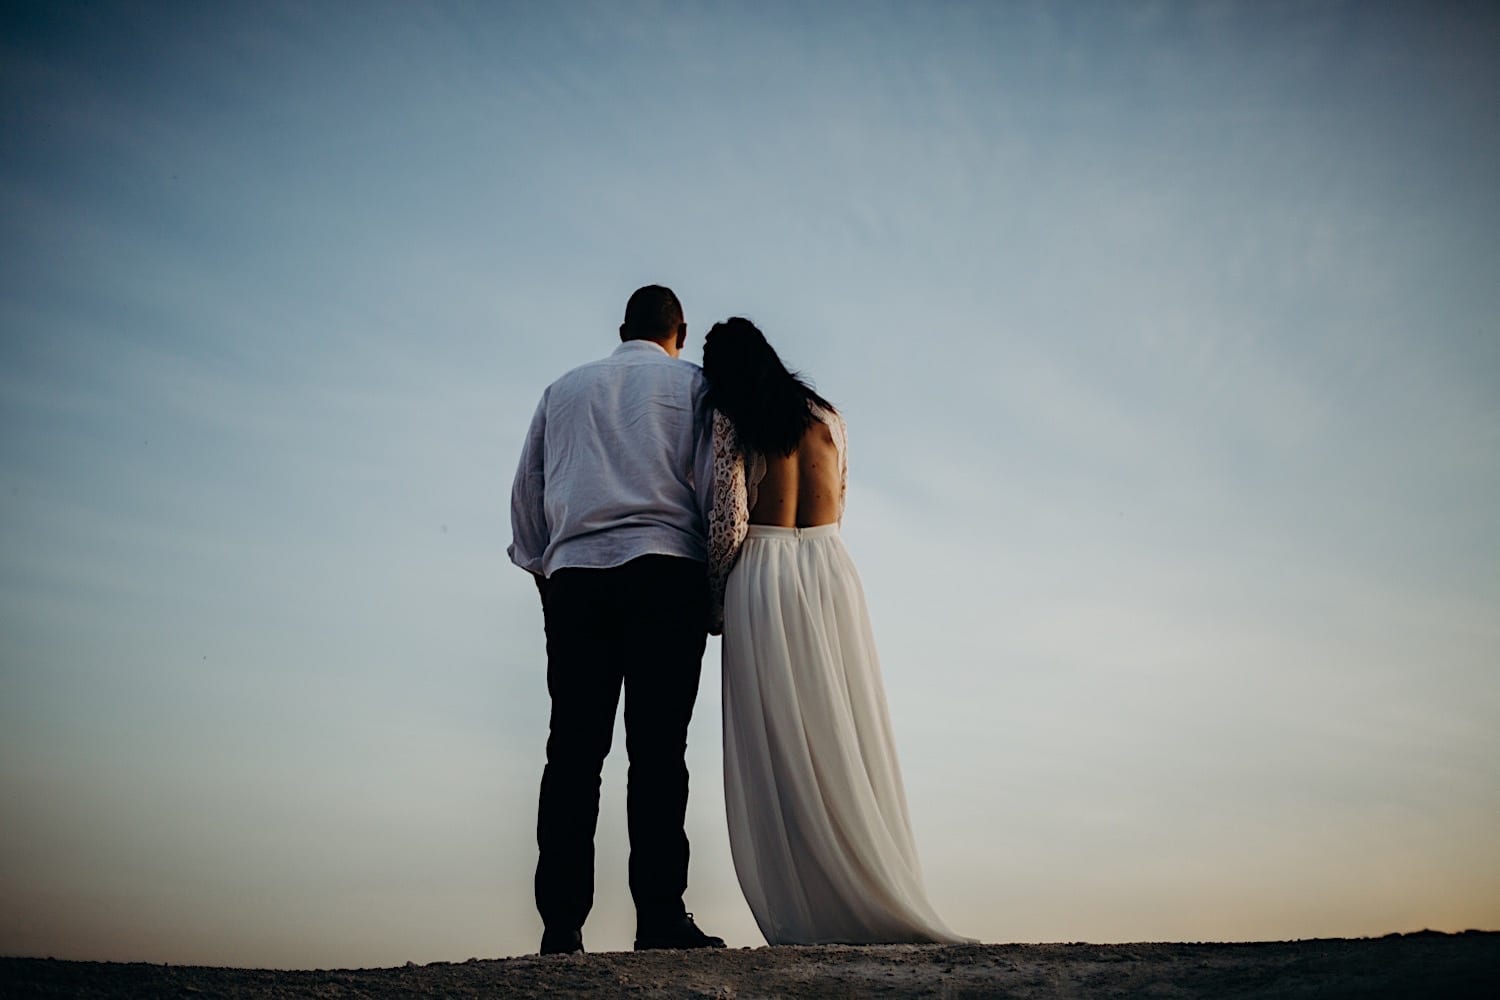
617,464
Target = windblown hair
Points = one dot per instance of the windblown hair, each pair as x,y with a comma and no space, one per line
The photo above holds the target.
770,407
653,313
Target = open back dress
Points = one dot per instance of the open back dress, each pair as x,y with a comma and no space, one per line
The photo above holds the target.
817,814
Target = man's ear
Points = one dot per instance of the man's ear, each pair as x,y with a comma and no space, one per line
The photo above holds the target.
622,333
681,335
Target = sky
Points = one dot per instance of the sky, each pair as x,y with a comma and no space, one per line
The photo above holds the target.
1167,338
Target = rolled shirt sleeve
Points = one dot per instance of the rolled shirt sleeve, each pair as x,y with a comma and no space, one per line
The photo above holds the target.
528,516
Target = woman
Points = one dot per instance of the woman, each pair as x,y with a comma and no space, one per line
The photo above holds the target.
817,815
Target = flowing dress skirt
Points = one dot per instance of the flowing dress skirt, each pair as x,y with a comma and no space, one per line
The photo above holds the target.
817,815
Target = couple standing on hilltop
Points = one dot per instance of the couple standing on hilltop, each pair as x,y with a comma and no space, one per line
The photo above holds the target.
657,502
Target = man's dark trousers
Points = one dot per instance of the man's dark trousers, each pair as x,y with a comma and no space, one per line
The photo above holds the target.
642,625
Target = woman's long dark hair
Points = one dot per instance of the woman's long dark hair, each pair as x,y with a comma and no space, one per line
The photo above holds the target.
770,407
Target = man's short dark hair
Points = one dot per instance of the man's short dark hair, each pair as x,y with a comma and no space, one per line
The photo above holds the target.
653,313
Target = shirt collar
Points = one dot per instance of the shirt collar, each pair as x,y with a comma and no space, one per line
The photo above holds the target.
641,345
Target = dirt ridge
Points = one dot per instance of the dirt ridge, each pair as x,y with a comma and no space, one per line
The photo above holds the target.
1426,964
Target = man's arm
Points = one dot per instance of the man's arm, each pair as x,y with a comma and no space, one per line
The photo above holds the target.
528,516
703,454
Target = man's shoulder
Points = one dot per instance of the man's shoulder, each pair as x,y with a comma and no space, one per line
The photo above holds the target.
612,365
585,372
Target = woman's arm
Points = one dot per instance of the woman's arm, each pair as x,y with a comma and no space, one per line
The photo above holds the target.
728,517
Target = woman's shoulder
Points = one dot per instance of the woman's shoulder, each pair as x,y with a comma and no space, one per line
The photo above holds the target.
832,419
726,439
826,412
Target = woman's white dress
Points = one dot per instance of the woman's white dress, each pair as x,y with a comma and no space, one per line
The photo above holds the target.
817,815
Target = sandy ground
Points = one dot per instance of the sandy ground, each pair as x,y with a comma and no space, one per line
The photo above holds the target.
1408,966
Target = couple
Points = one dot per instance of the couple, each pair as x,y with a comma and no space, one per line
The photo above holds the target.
656,502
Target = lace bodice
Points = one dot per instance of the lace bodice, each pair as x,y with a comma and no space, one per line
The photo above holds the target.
737,475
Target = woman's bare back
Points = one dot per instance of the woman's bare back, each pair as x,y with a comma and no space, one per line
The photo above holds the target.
803,489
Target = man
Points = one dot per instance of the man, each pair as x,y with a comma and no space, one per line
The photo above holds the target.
606,512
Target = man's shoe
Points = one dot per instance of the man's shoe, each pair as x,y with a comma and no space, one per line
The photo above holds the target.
682,933
561,942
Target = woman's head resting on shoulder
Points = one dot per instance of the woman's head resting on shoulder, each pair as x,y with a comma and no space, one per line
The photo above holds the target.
770,407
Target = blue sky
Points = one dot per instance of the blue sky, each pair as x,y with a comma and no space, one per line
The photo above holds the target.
1167,338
